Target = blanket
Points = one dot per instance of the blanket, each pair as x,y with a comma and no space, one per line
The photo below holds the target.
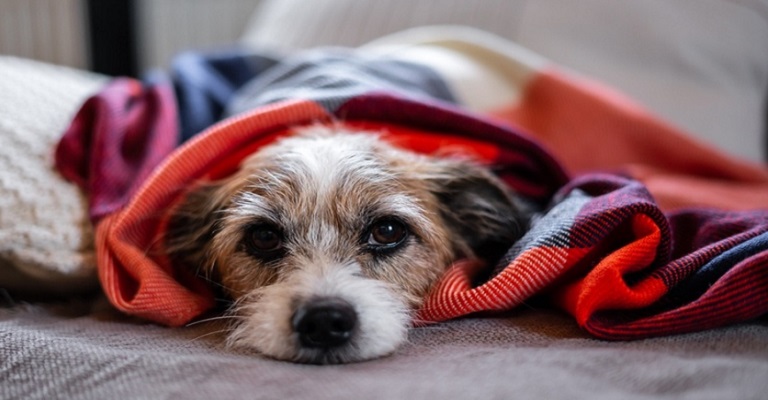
644,231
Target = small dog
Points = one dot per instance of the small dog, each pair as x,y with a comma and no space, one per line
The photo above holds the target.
327,241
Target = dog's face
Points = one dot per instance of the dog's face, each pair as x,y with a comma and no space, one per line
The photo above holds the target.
327,241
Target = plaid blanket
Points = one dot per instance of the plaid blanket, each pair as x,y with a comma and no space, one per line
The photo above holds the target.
644,230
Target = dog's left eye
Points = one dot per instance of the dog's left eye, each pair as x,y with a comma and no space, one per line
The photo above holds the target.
387,234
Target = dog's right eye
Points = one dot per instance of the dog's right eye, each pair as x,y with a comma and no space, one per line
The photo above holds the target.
263,240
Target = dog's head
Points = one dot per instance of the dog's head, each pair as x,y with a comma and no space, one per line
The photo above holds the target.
327,241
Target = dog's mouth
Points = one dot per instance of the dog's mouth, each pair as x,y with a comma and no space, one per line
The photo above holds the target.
326,356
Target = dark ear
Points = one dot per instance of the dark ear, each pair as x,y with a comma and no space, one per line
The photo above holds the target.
192,226
482,211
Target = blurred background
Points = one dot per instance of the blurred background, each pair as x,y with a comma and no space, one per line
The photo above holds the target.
701,65
118,37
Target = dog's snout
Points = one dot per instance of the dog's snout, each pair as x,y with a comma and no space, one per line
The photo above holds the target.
324,323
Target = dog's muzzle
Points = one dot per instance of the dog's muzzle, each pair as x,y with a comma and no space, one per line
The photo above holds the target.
324,323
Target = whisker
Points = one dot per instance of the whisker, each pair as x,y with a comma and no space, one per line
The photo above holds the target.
219,318
204,276
217,332
217,284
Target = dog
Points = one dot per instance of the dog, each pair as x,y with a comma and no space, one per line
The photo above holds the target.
328,240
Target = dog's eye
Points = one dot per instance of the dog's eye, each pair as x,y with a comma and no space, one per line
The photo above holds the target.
387,234
263,239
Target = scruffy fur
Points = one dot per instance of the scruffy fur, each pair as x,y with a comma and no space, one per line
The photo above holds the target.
324,199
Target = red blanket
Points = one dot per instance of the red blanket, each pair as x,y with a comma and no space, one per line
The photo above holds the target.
670,236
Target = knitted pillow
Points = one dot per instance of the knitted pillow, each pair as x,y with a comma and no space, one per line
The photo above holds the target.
46,241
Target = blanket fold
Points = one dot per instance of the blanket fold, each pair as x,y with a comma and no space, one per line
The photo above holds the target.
116,139
644,230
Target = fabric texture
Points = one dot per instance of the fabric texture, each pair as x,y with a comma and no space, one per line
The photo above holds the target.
627,257
46,240
74,352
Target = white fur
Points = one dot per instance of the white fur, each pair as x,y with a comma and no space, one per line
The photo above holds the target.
383,319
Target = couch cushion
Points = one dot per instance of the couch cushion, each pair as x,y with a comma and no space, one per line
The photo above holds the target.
46,241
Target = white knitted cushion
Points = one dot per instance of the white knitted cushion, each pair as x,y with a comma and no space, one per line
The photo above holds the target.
46,240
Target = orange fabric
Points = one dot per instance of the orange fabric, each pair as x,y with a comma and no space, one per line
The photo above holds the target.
521,279
137,285
429,142
589,127
604,287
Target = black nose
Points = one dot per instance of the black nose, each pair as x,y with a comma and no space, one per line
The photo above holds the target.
324,323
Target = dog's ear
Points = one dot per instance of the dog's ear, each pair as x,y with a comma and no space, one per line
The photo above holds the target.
484,215
192,226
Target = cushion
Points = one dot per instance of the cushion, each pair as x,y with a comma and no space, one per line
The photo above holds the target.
46,240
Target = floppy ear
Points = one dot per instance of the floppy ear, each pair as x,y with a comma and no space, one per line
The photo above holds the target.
482,211
192,225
